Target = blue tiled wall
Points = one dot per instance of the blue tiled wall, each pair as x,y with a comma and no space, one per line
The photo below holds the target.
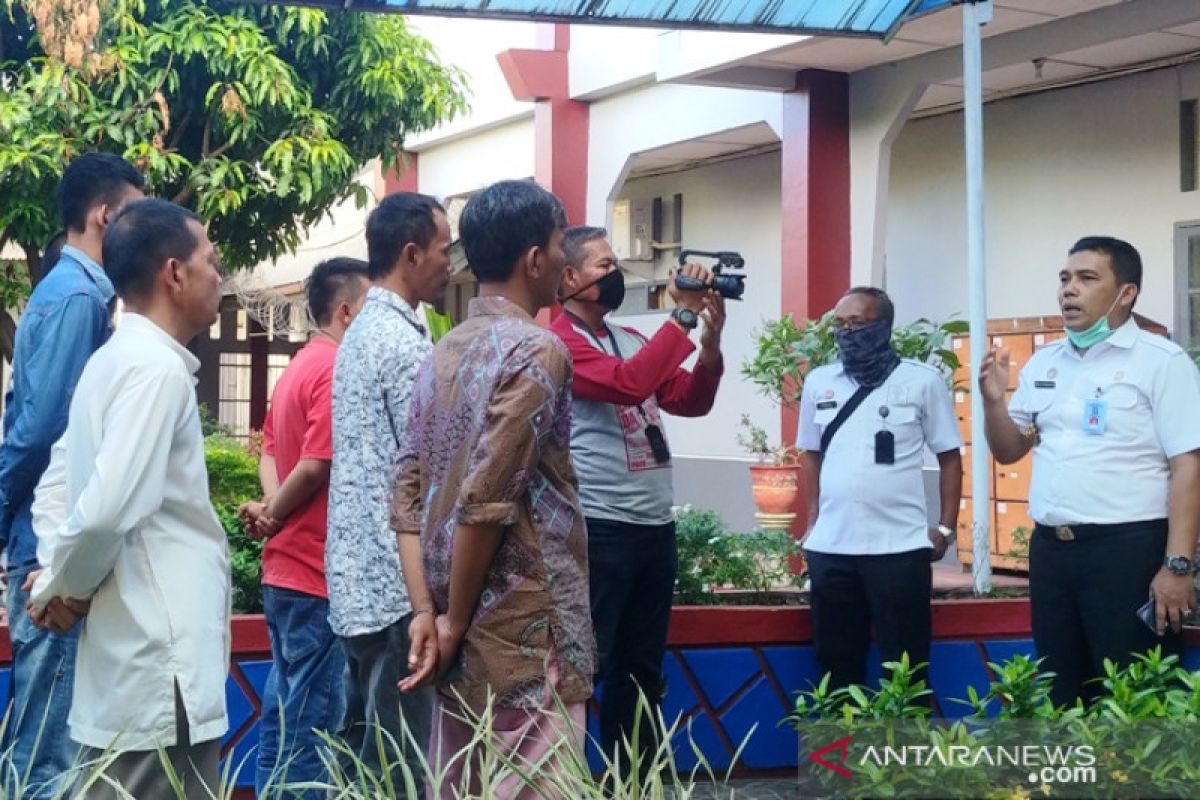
725,696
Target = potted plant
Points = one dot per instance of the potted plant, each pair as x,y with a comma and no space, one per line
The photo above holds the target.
775,479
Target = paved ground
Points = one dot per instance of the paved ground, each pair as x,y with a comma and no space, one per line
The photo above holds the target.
773,789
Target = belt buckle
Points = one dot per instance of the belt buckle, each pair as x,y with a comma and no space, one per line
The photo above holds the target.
1064,533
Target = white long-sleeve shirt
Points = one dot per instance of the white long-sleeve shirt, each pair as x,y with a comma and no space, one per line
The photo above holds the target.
143,542
49,509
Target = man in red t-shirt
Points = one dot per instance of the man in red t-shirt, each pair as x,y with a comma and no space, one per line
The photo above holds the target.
304,691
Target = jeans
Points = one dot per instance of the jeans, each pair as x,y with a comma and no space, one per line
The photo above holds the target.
632,575
852,593
39,749
385,726
304,693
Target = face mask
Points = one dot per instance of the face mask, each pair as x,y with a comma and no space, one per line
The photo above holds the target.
1096,334
612,290
867,352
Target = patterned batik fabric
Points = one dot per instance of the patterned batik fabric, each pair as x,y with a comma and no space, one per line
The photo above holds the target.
376,365
489,443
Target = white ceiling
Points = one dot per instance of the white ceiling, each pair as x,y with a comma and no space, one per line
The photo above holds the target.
944,29
706,147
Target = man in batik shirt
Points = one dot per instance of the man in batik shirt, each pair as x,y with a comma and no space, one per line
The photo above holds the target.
486,482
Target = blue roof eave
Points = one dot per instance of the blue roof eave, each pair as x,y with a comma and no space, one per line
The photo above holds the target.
879,19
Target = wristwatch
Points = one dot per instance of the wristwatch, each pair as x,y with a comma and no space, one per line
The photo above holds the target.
1179,565
686,317
948,533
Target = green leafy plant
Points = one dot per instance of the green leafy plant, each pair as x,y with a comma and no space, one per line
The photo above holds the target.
711,557
1020,542
233,480
754,440
1142,730
258,117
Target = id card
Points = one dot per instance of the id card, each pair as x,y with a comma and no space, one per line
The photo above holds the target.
1095,416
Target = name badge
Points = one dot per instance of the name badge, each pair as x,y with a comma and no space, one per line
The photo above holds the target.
824,404
1044,384
1095,416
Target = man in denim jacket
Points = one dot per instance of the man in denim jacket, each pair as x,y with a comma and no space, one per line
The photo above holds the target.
66,319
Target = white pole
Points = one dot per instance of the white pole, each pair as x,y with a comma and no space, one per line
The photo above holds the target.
976,14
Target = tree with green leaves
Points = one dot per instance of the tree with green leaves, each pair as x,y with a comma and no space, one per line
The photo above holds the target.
257,117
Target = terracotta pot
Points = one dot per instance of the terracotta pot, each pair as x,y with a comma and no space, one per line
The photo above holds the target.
775,488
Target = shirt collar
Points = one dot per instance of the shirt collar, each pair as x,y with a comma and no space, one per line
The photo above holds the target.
385,296
496,306
1126,335
92,270
1123,337
144,327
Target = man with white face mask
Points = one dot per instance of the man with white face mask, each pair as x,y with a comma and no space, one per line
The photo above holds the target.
620,452
1110,414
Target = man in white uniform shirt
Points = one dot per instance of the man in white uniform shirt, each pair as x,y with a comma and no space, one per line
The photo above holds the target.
1112,414
141,540
865,423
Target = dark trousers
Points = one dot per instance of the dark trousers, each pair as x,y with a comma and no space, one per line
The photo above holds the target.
852,593
632,570
1084,595
387,729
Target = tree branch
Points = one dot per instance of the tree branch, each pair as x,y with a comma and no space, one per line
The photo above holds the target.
181,126
186,194
206,139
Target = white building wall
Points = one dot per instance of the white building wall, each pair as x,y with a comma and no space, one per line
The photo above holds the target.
468,164
1095,159
732,205
657,115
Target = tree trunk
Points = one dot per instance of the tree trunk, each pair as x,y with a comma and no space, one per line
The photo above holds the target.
8,335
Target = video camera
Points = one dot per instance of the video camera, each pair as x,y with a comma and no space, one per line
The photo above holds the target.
731,287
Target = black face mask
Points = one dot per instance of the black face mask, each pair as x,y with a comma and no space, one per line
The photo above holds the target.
612,290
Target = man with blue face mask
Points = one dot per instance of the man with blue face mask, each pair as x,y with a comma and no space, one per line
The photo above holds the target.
865,423
1110,414
620,452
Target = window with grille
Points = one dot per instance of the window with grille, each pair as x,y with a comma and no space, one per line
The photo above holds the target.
1187,259
233,398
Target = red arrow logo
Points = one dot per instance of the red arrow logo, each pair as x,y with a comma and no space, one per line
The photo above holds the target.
840,745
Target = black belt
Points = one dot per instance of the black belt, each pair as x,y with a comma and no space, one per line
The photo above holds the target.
1071,533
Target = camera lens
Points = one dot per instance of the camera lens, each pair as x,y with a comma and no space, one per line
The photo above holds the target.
731,287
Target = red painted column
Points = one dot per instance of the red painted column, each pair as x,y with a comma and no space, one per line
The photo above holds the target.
560,123
815,200
815,185
403,177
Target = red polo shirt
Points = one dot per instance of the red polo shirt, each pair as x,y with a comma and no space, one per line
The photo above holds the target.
299,425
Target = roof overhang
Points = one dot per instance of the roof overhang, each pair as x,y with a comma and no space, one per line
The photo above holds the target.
878,19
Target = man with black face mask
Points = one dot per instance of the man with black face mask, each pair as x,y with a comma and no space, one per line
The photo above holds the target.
865,422
620,452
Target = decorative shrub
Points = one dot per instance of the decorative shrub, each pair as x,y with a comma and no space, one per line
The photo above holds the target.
233,480
1140,735
713,557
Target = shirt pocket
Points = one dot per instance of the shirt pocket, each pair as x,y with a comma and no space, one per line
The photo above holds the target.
904,421
1128,410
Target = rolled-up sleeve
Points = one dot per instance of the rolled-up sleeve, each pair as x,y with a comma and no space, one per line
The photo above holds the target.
520,418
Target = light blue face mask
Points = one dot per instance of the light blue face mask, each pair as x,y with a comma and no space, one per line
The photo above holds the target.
1096,334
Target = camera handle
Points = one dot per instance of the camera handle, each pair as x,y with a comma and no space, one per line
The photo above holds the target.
688,283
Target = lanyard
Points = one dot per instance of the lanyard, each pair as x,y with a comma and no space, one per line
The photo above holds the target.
616,349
